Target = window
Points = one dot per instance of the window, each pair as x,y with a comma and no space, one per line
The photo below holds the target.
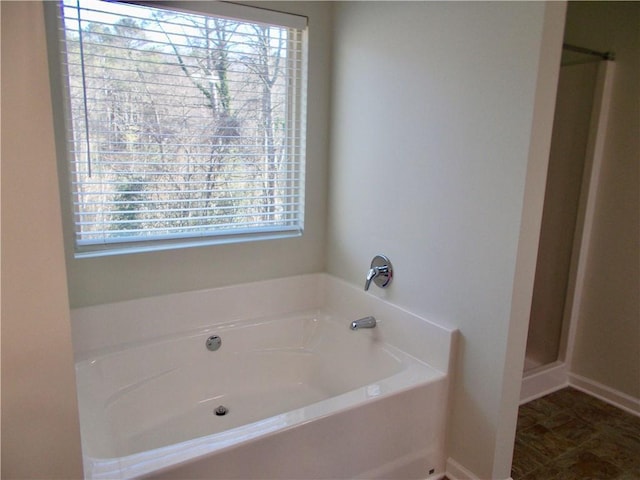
183,128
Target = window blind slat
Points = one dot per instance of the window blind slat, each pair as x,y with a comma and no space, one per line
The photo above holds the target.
182,202
93,73
198,220
197,229
159,39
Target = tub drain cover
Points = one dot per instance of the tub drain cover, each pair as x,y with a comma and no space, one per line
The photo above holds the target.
221,410
213,343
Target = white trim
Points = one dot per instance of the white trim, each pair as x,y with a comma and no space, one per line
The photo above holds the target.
555,377
543,381
455,471
591,179
606,394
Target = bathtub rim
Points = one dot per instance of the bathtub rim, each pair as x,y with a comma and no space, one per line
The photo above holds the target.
107,325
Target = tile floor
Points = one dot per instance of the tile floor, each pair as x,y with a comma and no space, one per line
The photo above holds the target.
569,435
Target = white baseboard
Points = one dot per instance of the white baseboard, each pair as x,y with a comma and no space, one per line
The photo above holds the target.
455,471
606,394
543,381
551,378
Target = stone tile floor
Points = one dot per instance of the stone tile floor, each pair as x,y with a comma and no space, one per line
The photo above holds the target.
569,435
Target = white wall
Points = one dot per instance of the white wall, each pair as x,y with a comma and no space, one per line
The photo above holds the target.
433,119
432,162
40,430
607,342
99,280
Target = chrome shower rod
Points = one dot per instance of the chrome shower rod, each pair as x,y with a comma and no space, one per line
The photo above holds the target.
588,51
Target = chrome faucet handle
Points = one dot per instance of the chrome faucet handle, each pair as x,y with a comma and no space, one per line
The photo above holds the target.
381,272
374,272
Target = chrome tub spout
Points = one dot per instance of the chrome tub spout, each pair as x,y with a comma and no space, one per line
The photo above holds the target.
366,322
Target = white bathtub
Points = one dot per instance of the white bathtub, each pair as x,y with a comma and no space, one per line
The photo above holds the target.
306,397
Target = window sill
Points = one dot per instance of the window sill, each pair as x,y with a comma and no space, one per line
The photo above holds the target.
122,248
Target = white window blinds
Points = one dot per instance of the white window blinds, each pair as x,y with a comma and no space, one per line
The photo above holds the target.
183,125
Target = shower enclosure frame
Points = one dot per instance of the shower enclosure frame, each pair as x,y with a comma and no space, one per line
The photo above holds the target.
556,375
